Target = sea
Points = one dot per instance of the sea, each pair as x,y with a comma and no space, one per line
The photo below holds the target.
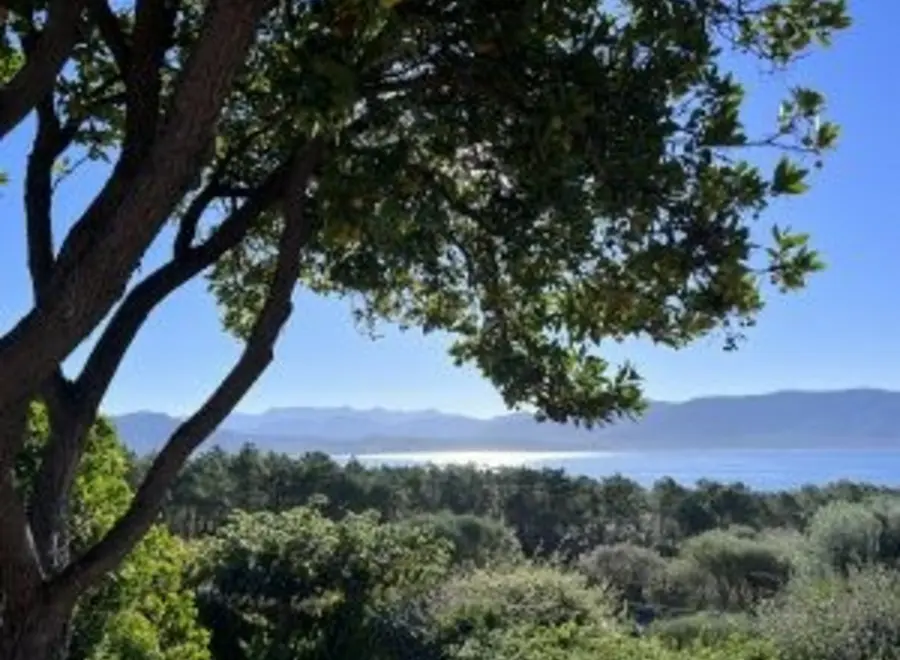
769,469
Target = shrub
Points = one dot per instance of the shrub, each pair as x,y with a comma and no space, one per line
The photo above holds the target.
852,618
790,544
299,585
684,587
572,642
843,536
887,510
476,541
739,570
629,569
703,629
483,602
742,531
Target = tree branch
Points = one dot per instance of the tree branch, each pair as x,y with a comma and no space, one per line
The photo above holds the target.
111,32
36,78
256,356
72,407
51,139
104,359
102,251
39,197
190,220
215,188
153,30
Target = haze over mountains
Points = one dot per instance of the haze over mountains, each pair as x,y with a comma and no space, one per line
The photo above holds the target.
855,419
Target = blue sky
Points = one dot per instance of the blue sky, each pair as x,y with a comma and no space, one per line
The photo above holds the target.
843,331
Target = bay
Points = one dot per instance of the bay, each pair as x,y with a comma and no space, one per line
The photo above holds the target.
760,469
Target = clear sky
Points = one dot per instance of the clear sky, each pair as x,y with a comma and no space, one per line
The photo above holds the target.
843,331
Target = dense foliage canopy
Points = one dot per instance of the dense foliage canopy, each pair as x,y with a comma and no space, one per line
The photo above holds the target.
535,178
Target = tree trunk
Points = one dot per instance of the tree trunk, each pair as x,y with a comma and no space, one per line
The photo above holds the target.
32,625
50,511
32,629
49,506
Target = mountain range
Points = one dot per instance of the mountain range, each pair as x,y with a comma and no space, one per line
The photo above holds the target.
853,419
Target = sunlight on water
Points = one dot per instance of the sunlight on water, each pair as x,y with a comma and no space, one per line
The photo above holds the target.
766,469
488,459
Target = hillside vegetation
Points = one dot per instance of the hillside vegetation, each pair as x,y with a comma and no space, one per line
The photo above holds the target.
285,558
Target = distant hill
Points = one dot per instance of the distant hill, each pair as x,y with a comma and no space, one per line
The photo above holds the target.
854,419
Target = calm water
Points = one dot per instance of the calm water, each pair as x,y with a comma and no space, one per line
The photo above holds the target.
762,469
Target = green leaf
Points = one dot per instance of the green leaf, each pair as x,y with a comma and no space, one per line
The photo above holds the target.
827,135
789,178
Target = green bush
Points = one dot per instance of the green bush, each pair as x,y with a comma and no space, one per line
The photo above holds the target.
789,544
853,618
703,629
735,571
684,588
742,531
572,642
629,569
482,602
887,510
476,541
300,586
842,536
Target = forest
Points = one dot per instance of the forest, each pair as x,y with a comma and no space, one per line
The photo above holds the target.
262,556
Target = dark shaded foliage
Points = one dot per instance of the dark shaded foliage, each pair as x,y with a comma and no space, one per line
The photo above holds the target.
552,513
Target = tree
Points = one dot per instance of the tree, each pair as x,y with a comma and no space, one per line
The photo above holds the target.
32,65
532,178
